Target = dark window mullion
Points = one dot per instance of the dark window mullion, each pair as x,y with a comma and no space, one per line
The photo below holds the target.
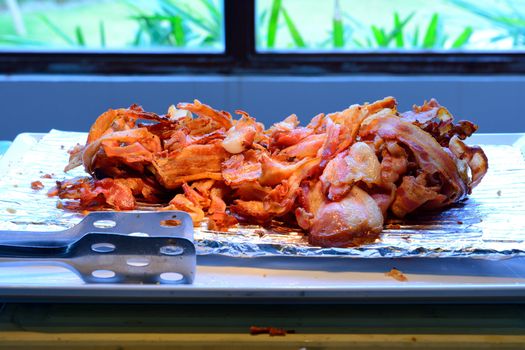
239,31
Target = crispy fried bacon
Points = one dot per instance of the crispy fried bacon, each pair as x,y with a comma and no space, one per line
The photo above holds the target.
438,122
431,158
195,162
358,163
221,118
118,194
240,137
354,220
340,176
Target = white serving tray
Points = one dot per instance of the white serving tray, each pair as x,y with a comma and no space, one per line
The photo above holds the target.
283,279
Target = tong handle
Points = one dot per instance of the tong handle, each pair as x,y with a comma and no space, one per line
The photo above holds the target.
103,258
110,247
150,224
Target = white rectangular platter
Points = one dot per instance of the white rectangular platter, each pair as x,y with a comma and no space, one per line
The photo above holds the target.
289,279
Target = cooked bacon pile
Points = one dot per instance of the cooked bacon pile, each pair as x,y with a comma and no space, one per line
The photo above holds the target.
337,177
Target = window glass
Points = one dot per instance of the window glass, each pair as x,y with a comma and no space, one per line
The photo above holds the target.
402,25
172,25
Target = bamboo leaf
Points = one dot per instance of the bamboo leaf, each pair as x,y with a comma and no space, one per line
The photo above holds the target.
209,20
137,39
463,38
272,25
442,40
338,34
102,31
338,31
431,35
187,13
398,29
499,37
379,36
80,36
262,17
294,32
158,34
178,31
19,40
400,42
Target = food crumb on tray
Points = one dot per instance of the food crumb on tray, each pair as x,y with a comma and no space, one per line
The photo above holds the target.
37,185
393,226
272,331
397,275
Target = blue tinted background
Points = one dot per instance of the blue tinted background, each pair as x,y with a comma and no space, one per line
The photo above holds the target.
40,103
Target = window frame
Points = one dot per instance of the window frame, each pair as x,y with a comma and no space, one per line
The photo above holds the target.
241,57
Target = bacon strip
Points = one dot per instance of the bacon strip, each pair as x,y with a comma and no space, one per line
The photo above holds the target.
222,118
191,163
431,158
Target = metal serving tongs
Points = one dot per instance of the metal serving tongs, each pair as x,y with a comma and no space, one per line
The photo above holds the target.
113,247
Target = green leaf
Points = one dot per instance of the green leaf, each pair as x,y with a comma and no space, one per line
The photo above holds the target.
338,30
209,40
19,40
294,32
431,35
262,17
158,34
102,32
463,38
209,20
178,31
379,36
400,43
187,13
57,30
442,40
272,25
80,36
338,33
137,41
499,37
398,29
508,19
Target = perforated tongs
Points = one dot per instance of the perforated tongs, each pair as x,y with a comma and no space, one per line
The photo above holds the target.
113,247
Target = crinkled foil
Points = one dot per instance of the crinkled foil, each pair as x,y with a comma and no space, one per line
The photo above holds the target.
489,224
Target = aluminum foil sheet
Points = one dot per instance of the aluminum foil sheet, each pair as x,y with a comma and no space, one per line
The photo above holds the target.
489,224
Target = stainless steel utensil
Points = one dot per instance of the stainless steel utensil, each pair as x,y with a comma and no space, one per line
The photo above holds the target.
108,247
